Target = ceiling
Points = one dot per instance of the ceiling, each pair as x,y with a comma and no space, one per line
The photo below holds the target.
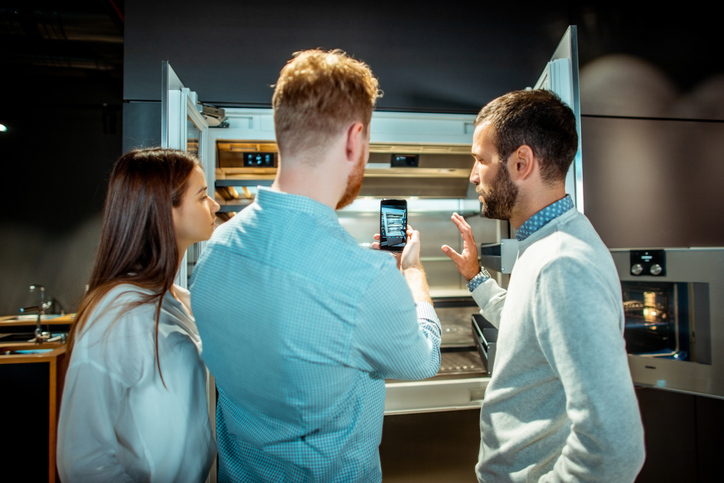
76,44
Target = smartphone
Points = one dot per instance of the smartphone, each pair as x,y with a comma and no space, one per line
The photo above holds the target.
393,225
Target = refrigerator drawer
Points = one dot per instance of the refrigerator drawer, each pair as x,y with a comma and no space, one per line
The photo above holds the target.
434,395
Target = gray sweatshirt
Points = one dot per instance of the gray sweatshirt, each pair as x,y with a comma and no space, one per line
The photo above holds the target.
560,405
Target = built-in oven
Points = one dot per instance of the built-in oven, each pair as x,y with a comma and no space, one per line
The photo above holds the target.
658,323
673,303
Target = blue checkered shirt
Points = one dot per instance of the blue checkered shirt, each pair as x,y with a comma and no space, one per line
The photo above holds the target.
531,225
301,327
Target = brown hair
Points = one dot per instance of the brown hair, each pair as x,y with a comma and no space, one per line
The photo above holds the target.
536,118
317,94
138,241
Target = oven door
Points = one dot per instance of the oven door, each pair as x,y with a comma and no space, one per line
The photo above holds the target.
674,317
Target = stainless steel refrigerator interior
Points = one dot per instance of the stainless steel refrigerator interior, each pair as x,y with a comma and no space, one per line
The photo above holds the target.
422,157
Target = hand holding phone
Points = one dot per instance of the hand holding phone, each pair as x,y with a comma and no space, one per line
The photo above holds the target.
410,256
393,225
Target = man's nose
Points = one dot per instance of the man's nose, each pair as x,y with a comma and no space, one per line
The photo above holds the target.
474,178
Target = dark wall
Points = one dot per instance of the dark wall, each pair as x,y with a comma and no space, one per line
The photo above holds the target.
684,436
432,55
427,55
646,178
62,96
57,155
654,182
652,154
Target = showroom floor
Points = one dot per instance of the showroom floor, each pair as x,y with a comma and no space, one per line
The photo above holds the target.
430,447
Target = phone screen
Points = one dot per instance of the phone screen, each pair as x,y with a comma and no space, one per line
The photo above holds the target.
393,225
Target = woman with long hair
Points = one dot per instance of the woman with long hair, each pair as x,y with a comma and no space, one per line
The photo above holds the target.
134,405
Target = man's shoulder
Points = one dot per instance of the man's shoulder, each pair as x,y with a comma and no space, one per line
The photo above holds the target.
581,242
234,227
570,243
569,234
299,244
575,251
273,226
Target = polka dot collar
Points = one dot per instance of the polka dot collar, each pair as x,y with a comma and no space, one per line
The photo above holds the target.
543,217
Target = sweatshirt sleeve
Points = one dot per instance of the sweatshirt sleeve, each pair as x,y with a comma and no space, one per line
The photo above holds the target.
578,323
490,297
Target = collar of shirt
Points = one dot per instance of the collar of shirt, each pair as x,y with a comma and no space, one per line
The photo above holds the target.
543,217
273,198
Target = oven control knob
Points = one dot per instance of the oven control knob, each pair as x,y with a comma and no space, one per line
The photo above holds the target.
655,269
636,269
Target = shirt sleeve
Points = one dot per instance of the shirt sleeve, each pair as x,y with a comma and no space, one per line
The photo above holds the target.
577,317
92,401
394,337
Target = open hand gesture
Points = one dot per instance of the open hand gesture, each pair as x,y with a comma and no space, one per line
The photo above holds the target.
467,261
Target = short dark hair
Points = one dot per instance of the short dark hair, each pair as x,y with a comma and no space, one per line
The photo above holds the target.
536,118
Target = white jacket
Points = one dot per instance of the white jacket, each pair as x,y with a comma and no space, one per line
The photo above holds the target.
117,420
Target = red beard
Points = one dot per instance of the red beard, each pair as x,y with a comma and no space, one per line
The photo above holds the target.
354,183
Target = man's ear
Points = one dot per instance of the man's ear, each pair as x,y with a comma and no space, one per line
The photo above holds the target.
354,141
522,163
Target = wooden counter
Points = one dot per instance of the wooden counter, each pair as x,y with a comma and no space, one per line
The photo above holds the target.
32,386
14,321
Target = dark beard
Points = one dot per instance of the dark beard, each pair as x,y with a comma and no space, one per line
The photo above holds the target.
499,200
354,183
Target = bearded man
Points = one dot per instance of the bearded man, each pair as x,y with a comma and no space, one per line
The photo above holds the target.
560,405
300,326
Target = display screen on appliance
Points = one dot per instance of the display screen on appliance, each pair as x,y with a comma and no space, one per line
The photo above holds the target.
259,160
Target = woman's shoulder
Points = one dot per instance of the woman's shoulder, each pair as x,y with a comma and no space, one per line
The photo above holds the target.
119,334
126,302
128,296
127,290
